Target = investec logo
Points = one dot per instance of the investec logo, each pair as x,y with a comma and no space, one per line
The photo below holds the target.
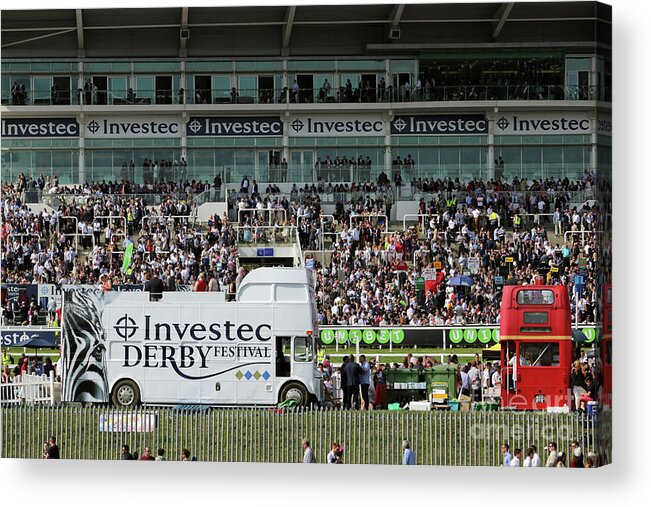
151,128
311,126
207,126
439,125
40,127
562,124
192,349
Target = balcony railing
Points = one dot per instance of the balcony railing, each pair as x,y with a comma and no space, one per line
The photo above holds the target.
308,96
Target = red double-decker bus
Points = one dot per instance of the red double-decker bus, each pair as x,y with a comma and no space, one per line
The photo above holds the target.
607,347
536,342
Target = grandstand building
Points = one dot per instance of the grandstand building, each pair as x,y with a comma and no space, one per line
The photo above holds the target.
464,91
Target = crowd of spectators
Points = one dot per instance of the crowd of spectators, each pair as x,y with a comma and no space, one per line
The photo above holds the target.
46,248
370,276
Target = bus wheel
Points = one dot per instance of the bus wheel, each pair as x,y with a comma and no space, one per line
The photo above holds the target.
126,394
294,391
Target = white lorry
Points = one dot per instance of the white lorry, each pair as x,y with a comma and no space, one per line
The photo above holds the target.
195,347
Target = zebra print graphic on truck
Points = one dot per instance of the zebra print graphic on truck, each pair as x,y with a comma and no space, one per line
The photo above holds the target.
84,377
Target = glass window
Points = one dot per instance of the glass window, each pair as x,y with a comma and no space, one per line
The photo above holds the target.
539,354
117,89
402,65
157,67
535,297
247,86
41,90
145,88
303,349
536,317
221,88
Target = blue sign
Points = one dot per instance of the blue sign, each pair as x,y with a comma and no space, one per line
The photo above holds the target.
223,126
25,336
39,127
499,280
265,252
309,263
439,125
579,280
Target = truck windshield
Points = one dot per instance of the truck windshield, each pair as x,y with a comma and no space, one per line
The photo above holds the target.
303,349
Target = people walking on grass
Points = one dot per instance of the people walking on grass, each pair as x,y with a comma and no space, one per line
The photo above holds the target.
51,449
126,455
408,456
308,454
146,456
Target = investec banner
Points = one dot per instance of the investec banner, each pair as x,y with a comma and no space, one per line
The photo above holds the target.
132,127
218,126
543,123
439,125
22,337
336,126
604,125
39,127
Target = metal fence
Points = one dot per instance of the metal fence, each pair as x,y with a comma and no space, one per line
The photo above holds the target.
267,436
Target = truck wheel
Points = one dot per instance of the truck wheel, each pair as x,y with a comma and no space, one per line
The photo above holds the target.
294,391
126,394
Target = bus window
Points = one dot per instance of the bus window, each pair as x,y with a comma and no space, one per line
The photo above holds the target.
536,318
540,354
283,351
535,297
303,349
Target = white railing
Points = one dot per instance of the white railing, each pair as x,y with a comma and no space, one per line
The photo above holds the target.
262,211
424,222
164,218
324,233
580,233
536,216
28,389
369,217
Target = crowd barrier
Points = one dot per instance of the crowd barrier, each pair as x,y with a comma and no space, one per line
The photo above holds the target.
272,436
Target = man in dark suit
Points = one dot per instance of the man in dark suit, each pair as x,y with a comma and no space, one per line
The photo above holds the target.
154,285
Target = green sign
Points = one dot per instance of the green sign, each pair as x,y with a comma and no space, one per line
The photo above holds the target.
470,335
342,336
355,335
485,335
397,336
456,335
590,334
368,335
383,336
327,336
496,335
420,283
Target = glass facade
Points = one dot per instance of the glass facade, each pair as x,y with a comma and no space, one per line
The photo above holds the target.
543,157
251,82
483,75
